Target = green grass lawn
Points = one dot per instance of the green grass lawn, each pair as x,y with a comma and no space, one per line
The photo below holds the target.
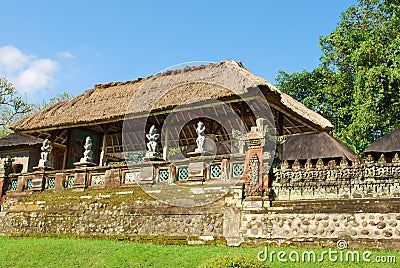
69,252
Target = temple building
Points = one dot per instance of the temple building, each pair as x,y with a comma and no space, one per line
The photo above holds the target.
159,114
23,151
198,155
313,147
385,148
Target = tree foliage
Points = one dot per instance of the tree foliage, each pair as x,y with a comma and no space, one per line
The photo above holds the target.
12,106
356,85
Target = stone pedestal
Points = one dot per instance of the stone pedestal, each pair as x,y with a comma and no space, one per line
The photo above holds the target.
84,164
152,158
37,183
197,171
60,181
80,180
81,176
147,175
42,168
172,174
112,178
197,154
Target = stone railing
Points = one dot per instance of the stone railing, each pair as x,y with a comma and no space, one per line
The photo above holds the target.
308,181
119,176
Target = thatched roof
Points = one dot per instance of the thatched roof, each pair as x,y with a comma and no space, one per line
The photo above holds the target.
13,140
315,146
386,144
109,102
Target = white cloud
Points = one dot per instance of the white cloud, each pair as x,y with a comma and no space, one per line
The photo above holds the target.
66,54
12,59
26,72
37,76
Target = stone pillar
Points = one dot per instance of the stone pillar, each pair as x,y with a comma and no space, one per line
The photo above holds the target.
197,171
60,181
253,173
37,181
147,174
112,178
225,170
231,226
172,173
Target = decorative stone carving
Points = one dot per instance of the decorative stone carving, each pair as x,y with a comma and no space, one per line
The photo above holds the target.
308,165
201,138
344,163
369,160
281,139
152,145
45,154
255,180
254,170
7,165
131,177
382,160
356,162
97,180
296,165
237,141
88,153
285,165
332,164
396,160
320,164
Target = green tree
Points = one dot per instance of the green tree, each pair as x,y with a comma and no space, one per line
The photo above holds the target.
356,85
12,106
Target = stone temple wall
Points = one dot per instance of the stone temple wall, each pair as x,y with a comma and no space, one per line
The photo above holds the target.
130,214
111,214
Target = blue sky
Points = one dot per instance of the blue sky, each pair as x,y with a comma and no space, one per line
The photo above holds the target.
50,47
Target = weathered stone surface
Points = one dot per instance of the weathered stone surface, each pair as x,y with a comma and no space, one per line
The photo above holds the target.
147,174
196,171
94,214
112,178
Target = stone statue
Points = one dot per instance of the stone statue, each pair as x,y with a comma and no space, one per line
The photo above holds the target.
45,154
152,145
201,138
88,153
237,141
254,171
7,166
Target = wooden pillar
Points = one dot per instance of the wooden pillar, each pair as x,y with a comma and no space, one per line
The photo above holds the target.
165,147
279,129
65,158
68,150
103,153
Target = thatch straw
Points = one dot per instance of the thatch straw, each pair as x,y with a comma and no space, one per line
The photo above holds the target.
315,146
111,101
13,140
386,144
